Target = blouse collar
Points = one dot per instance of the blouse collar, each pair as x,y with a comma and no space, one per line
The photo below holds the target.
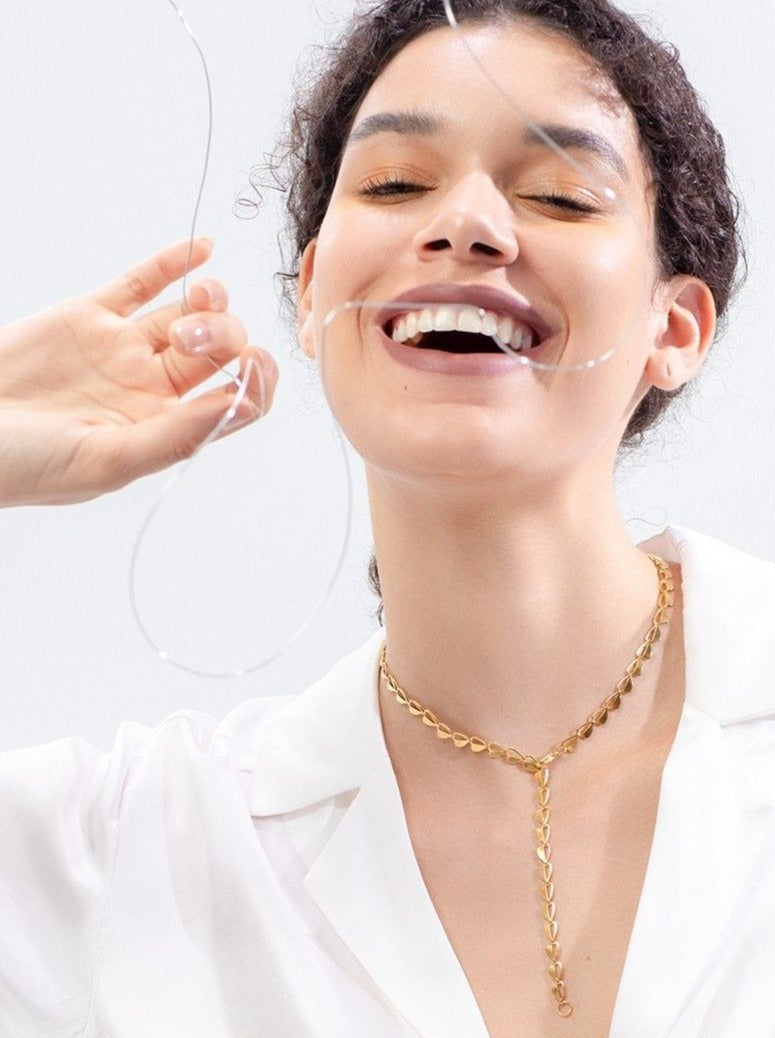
328,739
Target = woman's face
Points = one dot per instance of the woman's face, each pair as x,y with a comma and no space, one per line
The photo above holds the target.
458,197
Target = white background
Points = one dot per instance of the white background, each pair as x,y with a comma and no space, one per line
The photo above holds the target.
102,137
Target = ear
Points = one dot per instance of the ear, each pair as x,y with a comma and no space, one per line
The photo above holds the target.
689,326
304,326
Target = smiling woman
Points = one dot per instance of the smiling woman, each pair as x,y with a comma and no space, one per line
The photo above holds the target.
357,860
694,209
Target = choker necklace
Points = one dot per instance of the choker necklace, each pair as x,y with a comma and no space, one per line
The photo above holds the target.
539,766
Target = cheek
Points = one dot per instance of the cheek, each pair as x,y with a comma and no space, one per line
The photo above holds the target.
344,243
357,248
606,257
602,282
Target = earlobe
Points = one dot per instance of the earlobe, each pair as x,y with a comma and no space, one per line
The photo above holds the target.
304,326
689,329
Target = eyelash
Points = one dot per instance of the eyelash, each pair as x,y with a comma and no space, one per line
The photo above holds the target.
394,186
390,186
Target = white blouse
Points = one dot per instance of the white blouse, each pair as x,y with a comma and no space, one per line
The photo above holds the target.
255,877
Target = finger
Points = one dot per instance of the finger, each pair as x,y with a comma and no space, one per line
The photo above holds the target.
259,374
126,454
206,295
148,278
214,338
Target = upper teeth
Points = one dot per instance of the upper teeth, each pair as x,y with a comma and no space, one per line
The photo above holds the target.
505,330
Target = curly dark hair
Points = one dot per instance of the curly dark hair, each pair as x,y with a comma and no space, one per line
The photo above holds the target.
696,209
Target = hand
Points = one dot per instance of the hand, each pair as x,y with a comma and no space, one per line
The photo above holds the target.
90,400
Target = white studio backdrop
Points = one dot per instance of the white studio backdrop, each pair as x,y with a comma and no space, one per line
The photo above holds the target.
102,137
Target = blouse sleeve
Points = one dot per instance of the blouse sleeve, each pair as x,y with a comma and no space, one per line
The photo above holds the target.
59,808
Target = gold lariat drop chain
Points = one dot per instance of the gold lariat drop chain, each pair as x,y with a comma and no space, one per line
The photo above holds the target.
539,766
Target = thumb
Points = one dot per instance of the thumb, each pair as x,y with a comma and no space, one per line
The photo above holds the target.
175,435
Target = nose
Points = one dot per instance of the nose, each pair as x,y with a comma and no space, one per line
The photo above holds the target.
474,223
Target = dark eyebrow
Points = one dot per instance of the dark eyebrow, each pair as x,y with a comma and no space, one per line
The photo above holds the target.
574,138
425,124
408,124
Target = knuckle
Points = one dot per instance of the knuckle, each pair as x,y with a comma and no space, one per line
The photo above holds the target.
216,291
172,369
179,448
182,450
136,287
166,269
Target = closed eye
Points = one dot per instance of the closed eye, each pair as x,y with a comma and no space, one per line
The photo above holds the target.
566,202
391,186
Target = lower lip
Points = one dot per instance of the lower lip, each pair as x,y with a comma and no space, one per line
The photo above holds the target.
487,364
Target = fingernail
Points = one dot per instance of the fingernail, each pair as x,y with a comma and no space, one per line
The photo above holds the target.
268,364
192,336
215,295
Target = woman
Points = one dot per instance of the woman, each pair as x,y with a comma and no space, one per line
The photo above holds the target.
329,864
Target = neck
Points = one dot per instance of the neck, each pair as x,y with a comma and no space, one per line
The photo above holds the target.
512,622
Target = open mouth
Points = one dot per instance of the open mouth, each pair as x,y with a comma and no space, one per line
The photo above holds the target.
461,330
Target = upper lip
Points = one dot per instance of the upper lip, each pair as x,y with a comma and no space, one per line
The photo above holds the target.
483,296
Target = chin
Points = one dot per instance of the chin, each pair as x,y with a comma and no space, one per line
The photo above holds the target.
467,452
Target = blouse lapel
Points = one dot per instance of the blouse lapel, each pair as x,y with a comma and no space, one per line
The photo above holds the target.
368,884
365,878
711,826
712,821
717,804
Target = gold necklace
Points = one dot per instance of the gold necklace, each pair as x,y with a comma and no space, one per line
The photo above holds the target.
539,766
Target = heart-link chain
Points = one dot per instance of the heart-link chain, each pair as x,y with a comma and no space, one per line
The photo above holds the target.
539,766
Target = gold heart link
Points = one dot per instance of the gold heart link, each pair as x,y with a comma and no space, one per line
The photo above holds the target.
542,816
557,971
544,853
551,930
553,950
550,911
543,832
546,871
547,889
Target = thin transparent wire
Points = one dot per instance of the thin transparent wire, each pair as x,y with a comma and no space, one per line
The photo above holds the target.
539,132
609,193
242,386
187,27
